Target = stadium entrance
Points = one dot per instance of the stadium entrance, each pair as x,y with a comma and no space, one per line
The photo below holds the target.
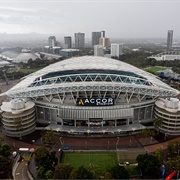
95,122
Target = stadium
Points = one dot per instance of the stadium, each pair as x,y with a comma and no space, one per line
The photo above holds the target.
84,95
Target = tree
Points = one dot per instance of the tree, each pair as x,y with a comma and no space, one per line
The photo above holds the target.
49,174
4,162
158,122
41,172
148,132
62,171
83,173
171,148
173,164
48,136
49,161
107,175
148,164
119,172
1,137
94,169
5,150
73,174
159,154
40,152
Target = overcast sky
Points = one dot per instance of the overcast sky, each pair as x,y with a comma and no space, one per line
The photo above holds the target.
119,18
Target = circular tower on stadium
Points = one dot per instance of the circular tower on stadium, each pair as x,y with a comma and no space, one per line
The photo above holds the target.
18,117
92,95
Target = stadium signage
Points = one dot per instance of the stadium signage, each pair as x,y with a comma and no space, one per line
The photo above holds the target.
95,101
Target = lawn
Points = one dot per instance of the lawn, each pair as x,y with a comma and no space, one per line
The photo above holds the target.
101,161
155,69
29,70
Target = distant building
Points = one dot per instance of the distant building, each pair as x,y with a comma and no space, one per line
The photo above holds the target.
79,40
52,41
169,55
56,49
69,52
4,63
95,38
98,50
169,39
67,42
102,34
105,42
168,73
116,50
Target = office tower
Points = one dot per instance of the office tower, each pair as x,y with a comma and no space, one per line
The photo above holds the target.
52,41
116,50
169,39
67,41
102,34
95,38
98,50
79,40
105,42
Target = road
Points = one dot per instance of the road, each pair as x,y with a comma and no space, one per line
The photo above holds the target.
21,171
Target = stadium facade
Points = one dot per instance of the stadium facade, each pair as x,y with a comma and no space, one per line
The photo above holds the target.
87,94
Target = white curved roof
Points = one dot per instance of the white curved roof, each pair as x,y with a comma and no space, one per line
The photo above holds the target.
89,62
24,57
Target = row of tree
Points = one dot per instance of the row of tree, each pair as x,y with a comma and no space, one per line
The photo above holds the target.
5,162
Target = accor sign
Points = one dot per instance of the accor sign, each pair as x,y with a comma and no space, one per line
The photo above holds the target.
95,101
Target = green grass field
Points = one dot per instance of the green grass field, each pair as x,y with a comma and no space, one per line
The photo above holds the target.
101,161
155,69
29,70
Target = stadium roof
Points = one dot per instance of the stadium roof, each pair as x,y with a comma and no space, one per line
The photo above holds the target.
90,63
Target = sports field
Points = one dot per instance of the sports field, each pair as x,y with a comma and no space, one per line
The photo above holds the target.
129,155
155,69
101,161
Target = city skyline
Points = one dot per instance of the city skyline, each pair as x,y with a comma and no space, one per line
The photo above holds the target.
123,19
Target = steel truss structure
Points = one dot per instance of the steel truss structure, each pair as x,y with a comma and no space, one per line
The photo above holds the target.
63,77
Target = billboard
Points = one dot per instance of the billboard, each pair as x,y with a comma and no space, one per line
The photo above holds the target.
95,101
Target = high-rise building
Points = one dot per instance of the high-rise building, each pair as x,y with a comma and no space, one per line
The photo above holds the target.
105,42
79,40
102,34
52,41
116,50
67,41
95,38
98,50
169,39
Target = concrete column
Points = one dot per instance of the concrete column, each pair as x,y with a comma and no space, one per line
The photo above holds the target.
152,111
115,122
44,112
75,122
127,122
145,112
50,116
138,113
88,123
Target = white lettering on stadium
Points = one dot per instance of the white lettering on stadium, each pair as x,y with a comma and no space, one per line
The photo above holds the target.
99,101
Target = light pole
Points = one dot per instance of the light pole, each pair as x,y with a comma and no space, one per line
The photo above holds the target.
86,144
61,141
117,142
